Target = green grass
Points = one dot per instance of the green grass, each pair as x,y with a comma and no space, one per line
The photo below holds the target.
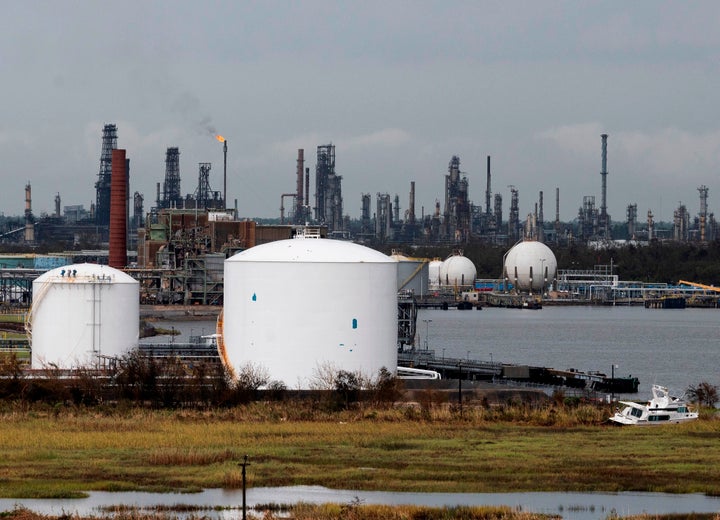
45,455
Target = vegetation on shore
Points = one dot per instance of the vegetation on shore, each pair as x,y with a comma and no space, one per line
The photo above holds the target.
303,511
662,262
63,451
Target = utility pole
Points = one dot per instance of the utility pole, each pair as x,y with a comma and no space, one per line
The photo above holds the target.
244,465
460,387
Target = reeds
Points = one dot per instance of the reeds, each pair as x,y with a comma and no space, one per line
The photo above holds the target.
408,447
302,511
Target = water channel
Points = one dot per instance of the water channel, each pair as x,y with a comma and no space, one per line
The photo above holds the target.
571,506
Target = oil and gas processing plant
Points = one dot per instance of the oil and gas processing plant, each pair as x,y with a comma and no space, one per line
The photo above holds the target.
195,250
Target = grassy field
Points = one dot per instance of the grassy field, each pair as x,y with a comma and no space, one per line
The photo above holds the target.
63,452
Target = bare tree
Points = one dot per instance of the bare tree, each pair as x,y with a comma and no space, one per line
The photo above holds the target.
703,393
323,377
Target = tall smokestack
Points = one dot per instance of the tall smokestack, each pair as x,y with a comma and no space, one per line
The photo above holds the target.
29,225
412,202
541,220
307,190
557,215
117,256
299,198
557,204
225,173
604,172
487,190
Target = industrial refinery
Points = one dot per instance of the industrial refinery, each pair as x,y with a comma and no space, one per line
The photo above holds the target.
341,302
455,219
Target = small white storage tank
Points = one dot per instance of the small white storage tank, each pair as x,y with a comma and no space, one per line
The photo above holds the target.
434,273
412,274
80,312
303,306
457,270
529,255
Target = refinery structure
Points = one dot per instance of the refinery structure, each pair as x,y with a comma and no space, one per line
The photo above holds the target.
456,218
191,247
175,248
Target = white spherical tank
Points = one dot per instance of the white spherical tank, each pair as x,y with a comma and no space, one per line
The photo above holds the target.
80,312
434,273
305,306
457,270
534,265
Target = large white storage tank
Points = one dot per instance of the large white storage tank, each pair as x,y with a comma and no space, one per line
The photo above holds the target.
530,265
457,270
305,306
80,312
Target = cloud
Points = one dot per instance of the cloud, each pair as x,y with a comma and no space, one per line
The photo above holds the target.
290,146
387,137
581,138
666,152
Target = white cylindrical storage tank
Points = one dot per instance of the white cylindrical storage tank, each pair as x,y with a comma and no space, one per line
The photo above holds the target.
434,273
80,312
412,274
534,265
457,270
305,306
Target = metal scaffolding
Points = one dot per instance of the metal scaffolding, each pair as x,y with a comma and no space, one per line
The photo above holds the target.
102,186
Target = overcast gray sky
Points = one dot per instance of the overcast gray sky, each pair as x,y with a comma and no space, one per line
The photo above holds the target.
398,86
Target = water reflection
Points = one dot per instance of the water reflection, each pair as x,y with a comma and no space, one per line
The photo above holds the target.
576,506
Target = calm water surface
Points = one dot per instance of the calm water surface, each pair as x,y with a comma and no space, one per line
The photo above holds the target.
675,348
672,347
574,506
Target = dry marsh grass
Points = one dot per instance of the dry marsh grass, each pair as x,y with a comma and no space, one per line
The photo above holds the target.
482,450
302,511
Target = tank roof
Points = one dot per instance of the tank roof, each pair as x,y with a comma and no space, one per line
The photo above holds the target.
84,273
318,250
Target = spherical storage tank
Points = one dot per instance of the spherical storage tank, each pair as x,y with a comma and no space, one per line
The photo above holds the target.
434,273
303,306
457,270
80,312
526,255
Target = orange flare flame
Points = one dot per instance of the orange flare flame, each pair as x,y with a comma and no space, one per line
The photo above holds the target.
220,138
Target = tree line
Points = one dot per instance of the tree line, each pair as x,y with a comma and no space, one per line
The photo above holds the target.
657,262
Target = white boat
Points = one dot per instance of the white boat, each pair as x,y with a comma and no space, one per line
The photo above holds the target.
661,409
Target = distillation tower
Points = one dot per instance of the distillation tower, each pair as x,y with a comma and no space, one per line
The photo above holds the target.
328,186
102,186
171,196
457,205
703,212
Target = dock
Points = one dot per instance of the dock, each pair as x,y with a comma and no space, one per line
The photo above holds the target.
478,370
